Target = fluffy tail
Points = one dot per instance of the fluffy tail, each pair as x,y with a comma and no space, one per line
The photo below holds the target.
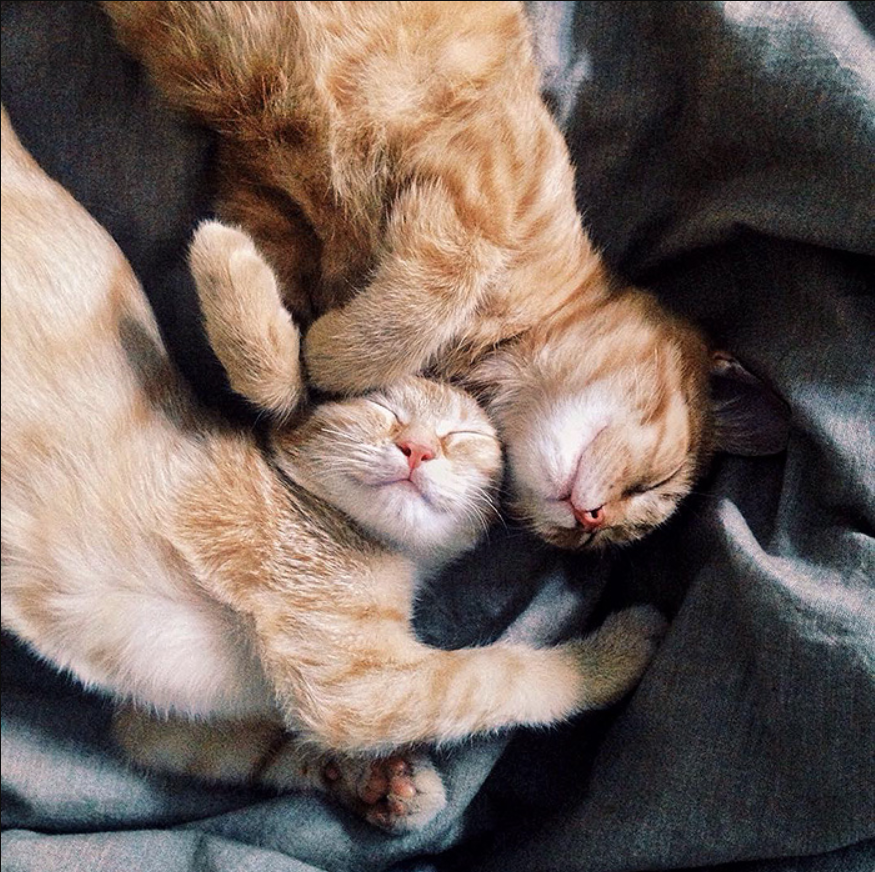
221,61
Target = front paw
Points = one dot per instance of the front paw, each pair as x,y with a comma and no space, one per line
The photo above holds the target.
634,635
346,357
400,793
615,656
249,329
330,357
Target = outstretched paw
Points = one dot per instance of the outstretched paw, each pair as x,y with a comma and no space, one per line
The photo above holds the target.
398,794
332,357
347,354
249,329
619,651
642,624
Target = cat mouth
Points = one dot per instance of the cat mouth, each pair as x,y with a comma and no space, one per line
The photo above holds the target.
406,485
575,539
578,539
572,538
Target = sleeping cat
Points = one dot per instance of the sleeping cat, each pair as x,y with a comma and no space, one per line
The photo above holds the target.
396,164
190,570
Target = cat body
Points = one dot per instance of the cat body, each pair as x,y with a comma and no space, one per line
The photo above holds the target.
99,442
194,573
397,166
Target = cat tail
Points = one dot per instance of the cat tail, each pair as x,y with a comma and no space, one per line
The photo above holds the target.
233,752
189,50
249,329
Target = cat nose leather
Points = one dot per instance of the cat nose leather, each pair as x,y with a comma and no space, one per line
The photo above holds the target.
415,452
590,519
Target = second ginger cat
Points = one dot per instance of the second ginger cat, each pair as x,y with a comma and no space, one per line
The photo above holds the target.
399,170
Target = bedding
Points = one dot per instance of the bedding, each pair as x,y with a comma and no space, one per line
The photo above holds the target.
725,157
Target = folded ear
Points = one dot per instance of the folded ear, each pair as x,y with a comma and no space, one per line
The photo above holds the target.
750,419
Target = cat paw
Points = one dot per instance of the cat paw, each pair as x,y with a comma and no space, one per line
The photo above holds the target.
399,793
644,622
343,359
640,629
327,365
619,651
249,329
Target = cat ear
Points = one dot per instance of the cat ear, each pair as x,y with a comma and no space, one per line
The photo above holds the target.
750,419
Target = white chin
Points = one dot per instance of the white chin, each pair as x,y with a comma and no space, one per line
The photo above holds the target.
544,511
403,516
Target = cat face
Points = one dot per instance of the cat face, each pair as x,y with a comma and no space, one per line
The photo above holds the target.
605,422
417,465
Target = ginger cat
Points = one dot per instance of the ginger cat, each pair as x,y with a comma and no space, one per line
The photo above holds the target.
396,165
262,588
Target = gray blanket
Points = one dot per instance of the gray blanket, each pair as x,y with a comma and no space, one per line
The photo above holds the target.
726,158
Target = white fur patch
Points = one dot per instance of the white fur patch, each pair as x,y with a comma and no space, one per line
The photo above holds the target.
546,457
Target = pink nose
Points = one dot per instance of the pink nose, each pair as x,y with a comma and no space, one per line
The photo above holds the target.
415,452
590,519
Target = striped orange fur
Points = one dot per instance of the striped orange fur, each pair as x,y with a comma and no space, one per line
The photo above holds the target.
397,166
159,555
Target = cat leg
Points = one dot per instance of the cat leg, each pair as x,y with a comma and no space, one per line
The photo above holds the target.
433,269
431,278
280,231
398,793
393,691
229,752
209,57
249,329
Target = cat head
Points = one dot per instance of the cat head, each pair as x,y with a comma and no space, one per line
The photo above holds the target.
609,418
417,465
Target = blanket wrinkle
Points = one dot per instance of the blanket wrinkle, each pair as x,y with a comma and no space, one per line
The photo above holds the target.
725,156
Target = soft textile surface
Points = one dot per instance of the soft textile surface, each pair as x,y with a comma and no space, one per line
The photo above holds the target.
726,158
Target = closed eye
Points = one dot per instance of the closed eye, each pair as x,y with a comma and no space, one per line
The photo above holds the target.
646,488
479,433
383,407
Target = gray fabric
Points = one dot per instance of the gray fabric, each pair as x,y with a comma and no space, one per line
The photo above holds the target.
726,158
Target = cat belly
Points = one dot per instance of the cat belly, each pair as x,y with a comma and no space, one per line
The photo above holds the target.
95,444
91,581
131,633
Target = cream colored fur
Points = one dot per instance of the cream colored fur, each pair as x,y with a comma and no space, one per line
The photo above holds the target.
165,559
